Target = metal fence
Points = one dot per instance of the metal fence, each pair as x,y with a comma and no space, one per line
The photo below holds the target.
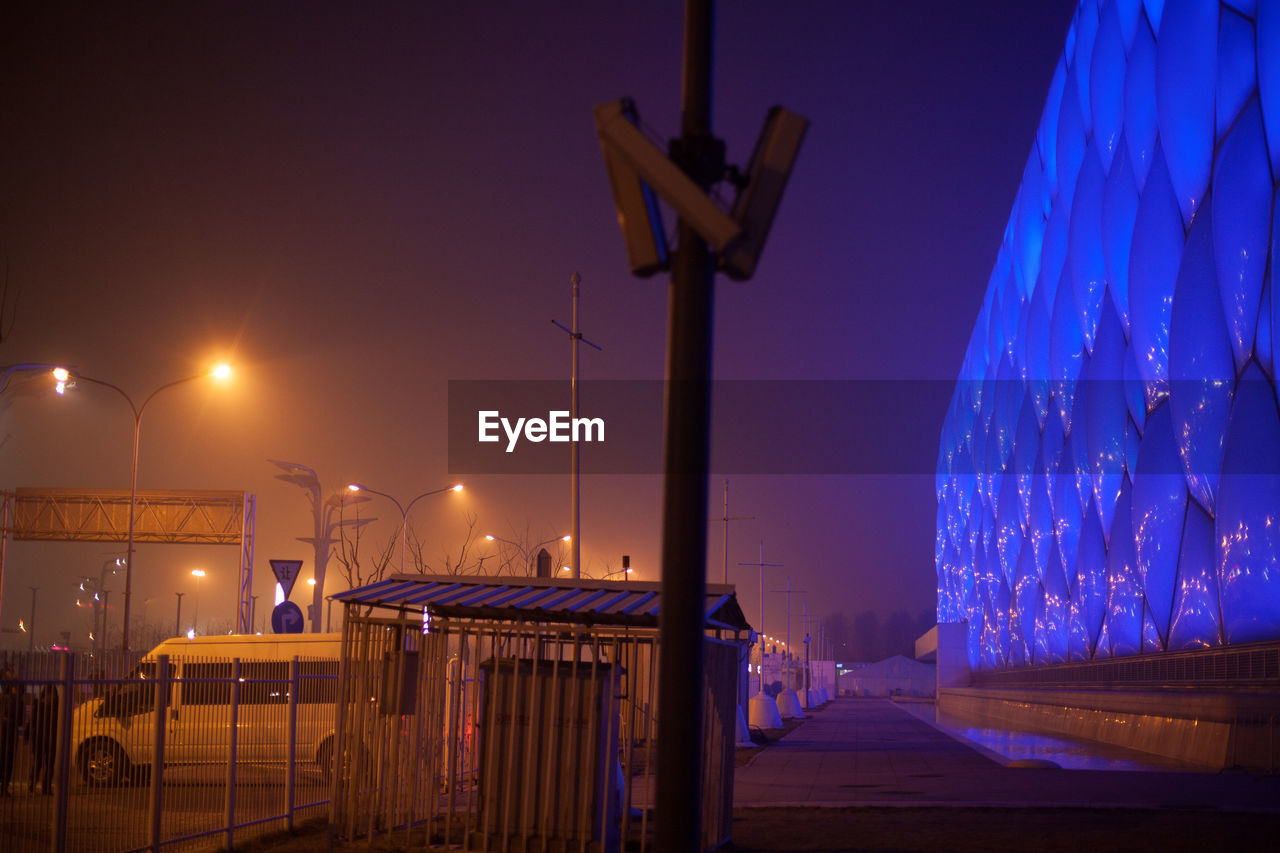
500,736
1249,665
175,754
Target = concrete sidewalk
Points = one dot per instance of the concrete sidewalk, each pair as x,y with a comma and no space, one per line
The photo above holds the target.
871,752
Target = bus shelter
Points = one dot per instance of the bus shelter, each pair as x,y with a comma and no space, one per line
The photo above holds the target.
504,713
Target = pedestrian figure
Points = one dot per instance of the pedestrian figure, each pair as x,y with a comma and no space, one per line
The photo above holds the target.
10,720
44,737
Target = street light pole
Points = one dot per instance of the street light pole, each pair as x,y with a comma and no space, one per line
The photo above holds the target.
575,452
198,574
62,374
687,455
177,622
404,510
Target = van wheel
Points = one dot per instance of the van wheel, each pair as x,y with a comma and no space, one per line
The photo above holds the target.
102,762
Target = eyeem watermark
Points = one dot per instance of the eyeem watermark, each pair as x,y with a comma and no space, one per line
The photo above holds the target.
558,427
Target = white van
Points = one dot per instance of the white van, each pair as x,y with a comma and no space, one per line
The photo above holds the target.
113,734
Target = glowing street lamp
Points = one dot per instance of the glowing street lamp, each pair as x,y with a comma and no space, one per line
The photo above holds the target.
404,510
529,553
63,377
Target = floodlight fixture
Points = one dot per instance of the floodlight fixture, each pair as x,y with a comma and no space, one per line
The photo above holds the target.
635,202
631,155
757,203
638,169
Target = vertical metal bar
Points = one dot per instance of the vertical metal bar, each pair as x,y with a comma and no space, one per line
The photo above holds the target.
652,732
376,765
5,508
62,767
455,761
391,763
233,733
510,745
627,730
414,758
687,446
555,748
160,721
291,741
421,763
477,750
339,722
597,777
573,744
536,725
490,747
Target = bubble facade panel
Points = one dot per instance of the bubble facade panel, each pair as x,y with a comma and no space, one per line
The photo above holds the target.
1109,468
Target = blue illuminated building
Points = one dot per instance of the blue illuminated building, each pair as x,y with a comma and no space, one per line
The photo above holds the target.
1109,467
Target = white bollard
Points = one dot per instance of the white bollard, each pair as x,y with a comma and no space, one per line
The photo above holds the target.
789,705
764,712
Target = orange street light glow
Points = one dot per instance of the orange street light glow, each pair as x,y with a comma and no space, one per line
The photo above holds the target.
458,488
199,573
222,371
61,374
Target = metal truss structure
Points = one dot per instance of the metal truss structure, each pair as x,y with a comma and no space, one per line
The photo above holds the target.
179,517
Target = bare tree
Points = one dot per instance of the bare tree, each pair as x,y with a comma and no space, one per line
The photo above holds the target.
353,571
464,562
517,553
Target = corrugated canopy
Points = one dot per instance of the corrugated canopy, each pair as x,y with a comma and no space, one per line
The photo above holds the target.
539,600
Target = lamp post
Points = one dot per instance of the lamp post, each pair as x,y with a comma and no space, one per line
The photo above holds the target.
529,553
404,510
100,602
177,621
63,375
198,574
327,514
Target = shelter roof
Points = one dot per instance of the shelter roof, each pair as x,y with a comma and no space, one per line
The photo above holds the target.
525,599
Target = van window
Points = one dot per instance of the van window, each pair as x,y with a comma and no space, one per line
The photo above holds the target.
135,696
206,684
266,682
317,682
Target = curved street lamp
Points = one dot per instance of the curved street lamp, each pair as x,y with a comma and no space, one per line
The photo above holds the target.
404,510
528,554
63,376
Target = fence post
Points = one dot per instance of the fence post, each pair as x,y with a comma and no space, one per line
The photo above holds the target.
336,788
231,752
62,770
160,722
291,768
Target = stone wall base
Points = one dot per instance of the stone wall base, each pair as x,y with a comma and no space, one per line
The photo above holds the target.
1212,731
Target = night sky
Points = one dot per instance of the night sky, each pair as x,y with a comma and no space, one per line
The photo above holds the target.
355,204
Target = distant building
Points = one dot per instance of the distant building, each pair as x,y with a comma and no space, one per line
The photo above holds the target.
895,676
